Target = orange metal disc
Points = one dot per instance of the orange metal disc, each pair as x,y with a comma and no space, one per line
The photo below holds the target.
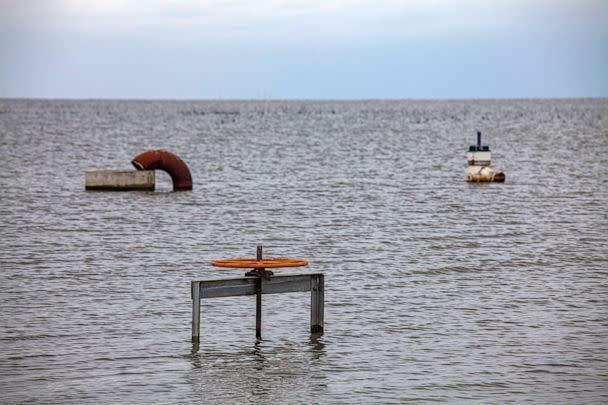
252,263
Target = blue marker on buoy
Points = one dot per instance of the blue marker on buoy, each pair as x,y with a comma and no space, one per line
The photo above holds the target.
479,159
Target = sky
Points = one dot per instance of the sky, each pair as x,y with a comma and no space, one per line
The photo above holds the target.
303,49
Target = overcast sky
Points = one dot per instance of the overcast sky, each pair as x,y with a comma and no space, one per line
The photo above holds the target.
303,49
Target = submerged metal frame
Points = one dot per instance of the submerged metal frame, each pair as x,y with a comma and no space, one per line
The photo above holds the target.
275,284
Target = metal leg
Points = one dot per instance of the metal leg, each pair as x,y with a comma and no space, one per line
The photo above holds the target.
258,308
317,303
196,311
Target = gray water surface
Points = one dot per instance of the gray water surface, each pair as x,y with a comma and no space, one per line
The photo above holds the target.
436,289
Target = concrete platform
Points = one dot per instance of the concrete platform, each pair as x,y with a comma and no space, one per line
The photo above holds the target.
119,180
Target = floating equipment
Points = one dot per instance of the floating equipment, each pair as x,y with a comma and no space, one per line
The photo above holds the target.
167,161
479,159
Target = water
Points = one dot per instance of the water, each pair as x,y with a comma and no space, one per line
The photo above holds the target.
436,289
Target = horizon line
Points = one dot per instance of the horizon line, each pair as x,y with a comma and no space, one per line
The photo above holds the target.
305,99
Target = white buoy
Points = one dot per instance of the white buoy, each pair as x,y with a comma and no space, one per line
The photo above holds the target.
479,159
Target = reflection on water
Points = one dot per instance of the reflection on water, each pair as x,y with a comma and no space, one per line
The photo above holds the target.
435,289
275,371
317,347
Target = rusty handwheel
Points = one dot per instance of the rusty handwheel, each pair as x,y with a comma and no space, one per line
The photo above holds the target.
259,265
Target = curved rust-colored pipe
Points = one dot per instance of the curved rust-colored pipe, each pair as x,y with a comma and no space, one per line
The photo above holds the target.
167,161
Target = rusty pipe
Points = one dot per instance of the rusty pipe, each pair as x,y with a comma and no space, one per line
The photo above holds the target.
167,161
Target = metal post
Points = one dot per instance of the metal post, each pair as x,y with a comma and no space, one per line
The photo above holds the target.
258,298
258,308
317,303
196,311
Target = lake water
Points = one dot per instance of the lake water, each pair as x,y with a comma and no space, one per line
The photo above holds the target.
435,289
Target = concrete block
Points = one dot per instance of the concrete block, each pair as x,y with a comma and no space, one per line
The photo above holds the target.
119,180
